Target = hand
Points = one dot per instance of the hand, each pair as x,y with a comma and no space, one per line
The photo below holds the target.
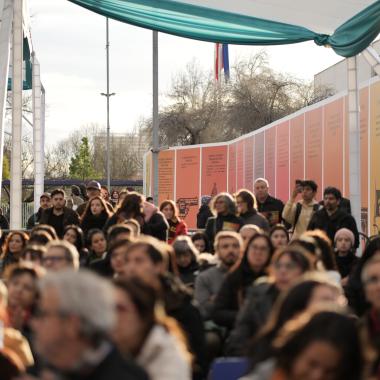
296,191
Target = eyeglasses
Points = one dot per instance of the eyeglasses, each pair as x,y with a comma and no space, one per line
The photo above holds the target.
54,259
286,266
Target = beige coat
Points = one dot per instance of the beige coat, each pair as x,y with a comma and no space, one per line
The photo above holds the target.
161,357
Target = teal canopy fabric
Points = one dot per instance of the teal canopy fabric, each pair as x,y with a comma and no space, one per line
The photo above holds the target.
209,22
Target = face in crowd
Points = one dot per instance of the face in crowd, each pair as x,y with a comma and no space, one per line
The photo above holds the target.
58,201
228,251
45,203
261,190
96,207
330,202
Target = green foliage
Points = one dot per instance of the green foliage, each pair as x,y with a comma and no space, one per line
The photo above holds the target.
81,165
6,170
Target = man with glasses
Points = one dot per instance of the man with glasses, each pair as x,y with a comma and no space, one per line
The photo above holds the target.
72,326
60,255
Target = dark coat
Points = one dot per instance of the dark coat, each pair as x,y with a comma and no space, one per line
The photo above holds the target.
253,217
189,274
112,367
271,208
321,220
254,314
232,294
157,226
93,221
346,263
203,214
69,217
178,304
4,224
34,219
102,266
222,223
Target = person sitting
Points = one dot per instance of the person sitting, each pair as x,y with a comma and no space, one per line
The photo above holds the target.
177,226
60,255
287,266
97,243
74,235
344,253
250,267
15,243
247,208
321,344
187,260
201,242
228,249
248,231
279,236
33,254
226,219
154,340
72,328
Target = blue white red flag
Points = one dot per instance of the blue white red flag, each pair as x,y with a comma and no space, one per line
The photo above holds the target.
222,61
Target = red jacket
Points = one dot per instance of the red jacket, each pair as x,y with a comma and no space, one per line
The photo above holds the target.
175,229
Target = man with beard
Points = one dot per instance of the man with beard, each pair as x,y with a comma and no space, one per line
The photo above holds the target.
332,218
228,248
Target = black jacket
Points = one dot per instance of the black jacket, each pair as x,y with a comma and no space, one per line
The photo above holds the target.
157,226
112,367
178,304
222,223
34,219
253,217
203,214
346,263
92,222
253,315
321,220
271,208
69,217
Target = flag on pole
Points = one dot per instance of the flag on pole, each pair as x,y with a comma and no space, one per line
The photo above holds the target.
222,61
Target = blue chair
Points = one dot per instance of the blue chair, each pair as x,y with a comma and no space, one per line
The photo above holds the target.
228,368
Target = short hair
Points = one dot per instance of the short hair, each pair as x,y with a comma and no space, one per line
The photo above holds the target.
71,253
22,268
310,183
155,249
375,259
262,180
227,234
40,237
258,229
248,198
117,244
183,245
117,229
333,191
45,227
87,296
37,250
135,224
58,191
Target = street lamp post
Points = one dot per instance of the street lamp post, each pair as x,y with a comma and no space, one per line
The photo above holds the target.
108,95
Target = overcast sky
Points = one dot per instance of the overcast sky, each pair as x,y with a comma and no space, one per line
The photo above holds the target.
70,44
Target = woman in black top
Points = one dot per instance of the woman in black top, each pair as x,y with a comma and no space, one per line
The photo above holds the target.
95,215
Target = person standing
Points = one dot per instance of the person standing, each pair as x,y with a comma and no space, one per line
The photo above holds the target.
59,216
267,205
331,218
298,214
45,203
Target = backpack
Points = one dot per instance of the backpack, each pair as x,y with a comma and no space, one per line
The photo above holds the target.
298,212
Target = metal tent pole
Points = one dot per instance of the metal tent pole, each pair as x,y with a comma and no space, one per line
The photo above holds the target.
37,134
17,86
5,47
155,121
354,139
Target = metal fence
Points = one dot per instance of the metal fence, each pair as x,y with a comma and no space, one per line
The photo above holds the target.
27,211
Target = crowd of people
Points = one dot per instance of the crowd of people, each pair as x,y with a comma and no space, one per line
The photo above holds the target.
98,290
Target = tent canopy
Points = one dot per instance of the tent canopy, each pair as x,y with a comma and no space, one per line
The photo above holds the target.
348,26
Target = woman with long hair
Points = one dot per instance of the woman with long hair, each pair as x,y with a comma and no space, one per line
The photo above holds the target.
97,245
74,235
95,215
225,219
144,332
177,226
279,236
14,245
254,264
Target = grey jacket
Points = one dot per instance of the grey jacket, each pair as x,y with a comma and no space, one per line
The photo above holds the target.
207,285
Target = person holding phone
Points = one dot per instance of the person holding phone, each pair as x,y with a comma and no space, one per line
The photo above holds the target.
298,213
